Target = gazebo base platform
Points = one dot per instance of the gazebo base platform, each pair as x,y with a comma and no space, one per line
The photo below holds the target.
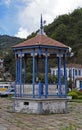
40,106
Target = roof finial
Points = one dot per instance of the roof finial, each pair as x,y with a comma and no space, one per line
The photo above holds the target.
41,25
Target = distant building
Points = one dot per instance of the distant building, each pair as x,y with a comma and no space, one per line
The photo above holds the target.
78,83
74,72
1,62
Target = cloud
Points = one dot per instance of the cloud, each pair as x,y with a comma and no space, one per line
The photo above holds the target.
7,2
29,17
22,33
25,14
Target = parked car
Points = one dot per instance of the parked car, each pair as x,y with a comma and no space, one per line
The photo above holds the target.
7,92
5,86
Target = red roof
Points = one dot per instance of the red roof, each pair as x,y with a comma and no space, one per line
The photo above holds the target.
41,40
79,78
73,65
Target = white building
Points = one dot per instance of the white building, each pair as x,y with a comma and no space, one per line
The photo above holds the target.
74,72
78,83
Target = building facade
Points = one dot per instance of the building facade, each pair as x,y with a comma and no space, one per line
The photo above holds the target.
73,72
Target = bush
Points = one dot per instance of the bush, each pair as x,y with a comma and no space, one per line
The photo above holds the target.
52,78
29,78
73,94
79,93
41,78
80,97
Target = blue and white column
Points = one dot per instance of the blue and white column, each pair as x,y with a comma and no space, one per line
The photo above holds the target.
16,56
46,74
65,75
21,74
33,74
24,69
59,75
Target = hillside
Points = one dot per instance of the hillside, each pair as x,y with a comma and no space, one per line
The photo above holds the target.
65,28
7,41
68,30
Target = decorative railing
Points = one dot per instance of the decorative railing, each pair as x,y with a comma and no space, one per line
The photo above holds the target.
39,90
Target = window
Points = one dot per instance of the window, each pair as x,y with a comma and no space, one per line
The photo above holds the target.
75,72
53,72
70,73
79,72
56,72
26,103
61,72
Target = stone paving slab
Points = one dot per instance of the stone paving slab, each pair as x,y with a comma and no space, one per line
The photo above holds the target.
18,121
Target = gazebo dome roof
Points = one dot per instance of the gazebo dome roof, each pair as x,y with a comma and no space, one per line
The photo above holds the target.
41,40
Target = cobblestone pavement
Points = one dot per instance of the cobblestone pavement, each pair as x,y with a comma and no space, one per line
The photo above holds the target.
18,121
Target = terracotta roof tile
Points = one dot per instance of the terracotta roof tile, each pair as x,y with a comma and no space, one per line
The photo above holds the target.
79,78
41,40
74,65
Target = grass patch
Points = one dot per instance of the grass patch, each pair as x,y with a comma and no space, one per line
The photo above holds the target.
70,127
76,100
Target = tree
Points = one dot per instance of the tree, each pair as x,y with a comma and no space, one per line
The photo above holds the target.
9,63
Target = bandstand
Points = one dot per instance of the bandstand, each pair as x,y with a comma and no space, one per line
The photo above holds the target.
40,97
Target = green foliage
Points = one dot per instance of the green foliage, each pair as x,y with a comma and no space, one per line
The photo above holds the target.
52,78
41,77
29,78
75,94
7,41
70,84
9,63
68,30
65,28
70,127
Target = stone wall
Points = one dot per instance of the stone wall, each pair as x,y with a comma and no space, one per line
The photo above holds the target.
40,106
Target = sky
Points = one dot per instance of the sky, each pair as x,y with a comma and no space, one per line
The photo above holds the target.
22,17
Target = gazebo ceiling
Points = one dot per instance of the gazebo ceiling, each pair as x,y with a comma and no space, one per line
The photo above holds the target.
41,40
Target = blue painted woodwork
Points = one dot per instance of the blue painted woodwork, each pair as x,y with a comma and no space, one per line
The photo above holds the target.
46,75
15,89
20,74
41,25
33,74
80,84
59,75
40,90
36,69
39,50
65,75
40,46
35,64
24,69
16,69
73,74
